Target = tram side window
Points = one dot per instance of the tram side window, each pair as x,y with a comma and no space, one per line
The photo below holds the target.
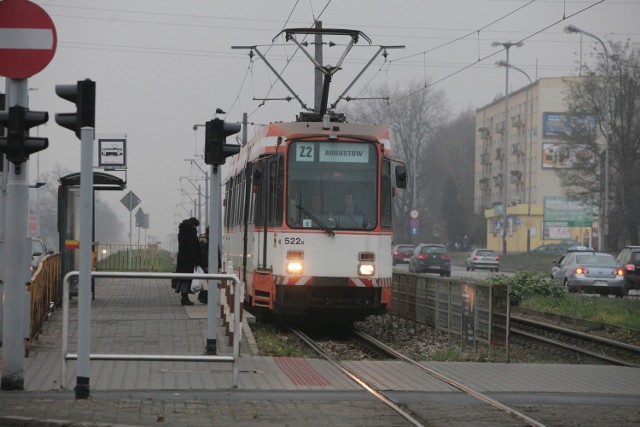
227,202
276,184
268,201
238,200
385,195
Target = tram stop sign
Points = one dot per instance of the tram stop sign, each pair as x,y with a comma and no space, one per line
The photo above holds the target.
28,39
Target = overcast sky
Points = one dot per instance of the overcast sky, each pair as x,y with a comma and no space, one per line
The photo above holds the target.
163,66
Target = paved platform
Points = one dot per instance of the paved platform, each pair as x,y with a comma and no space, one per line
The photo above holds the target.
144,316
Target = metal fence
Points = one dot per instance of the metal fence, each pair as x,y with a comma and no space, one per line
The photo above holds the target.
45,292
122,257
476,314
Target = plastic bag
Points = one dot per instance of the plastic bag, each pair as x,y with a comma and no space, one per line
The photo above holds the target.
198,284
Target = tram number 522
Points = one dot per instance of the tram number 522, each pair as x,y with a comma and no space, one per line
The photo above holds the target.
293,241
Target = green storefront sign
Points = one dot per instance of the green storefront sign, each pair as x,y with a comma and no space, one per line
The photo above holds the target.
564,212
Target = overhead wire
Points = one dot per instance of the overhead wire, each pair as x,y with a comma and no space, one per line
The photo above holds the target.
383,68
449,42
489,56
495,21
289,60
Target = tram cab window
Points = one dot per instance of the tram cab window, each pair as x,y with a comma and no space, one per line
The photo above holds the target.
332,184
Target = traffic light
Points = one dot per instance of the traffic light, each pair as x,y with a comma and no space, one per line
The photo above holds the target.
83,94
216,149
18,145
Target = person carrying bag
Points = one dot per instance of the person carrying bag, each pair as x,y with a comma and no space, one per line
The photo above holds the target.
189,257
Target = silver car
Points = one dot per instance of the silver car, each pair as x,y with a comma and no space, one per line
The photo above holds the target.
483,258
594,272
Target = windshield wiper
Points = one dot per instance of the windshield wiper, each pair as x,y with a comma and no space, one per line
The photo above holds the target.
322,225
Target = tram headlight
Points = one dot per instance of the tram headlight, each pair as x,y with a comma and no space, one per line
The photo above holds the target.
366,269
294,262
295,267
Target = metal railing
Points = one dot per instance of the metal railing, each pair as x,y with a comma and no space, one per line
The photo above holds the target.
238,292
45,292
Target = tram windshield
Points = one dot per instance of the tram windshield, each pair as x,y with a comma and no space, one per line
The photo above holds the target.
332,185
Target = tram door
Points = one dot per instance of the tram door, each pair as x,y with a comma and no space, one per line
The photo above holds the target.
269,199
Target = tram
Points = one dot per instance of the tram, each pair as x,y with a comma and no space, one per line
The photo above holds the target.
307,218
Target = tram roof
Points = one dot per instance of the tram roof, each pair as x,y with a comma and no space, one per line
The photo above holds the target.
291,130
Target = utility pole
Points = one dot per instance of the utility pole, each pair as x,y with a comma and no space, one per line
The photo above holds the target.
318,72
505,142
15,264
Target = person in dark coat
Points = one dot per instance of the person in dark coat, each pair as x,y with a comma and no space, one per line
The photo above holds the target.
189,256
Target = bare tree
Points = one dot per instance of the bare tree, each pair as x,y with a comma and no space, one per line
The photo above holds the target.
453,171
584,181
414,113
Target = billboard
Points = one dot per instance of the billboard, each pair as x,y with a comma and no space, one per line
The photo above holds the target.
563,124
565,156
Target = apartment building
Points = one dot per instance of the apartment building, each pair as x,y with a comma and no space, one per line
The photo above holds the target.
536,128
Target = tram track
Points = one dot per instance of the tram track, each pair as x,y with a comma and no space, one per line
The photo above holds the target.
576,343
359,380
384,349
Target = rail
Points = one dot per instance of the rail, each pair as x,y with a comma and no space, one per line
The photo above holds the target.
238,292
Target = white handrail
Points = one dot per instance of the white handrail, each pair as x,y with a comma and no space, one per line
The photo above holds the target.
145,275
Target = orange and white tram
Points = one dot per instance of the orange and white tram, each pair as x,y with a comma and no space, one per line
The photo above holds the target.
307,219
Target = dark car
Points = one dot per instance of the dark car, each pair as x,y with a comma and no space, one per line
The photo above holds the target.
553,248
430,258
38,251
402,253
629,261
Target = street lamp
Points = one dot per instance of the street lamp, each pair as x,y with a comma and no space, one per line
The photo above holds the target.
607,129
530,124
505,142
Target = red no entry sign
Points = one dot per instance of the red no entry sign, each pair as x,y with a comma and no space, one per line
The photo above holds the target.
27,39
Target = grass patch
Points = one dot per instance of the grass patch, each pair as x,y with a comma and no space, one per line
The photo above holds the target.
613,311
272,341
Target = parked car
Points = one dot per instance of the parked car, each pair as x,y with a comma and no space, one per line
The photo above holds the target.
430,258
483,258
557,248
629,261
402,253
552,248
594,272
38,251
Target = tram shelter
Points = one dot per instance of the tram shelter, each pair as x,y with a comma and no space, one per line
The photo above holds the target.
69,221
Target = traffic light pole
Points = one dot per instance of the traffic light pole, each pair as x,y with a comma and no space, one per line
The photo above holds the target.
15,261
215,236
84,283
215,153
